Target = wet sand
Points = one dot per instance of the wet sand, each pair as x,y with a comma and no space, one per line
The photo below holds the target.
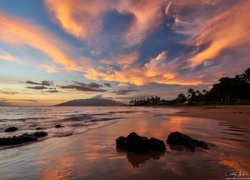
93,155
235,114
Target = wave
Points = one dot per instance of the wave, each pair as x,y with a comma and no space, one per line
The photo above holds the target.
74,120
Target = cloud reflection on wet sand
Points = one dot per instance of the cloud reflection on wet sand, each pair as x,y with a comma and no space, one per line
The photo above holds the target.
93,155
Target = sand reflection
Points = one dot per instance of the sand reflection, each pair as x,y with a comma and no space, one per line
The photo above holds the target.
59,168
136,159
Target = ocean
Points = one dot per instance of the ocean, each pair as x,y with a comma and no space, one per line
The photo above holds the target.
75,120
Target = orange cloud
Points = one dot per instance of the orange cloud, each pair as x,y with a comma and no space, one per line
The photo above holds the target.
84,19
122,60
50,68
78,18
4,56
156,70
20,32
226,30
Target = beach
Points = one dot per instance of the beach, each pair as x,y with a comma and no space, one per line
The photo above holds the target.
93,154
235,114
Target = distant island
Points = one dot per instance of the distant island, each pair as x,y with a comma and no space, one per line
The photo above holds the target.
91,102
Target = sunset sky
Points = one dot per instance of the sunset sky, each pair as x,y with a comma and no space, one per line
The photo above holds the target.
54,51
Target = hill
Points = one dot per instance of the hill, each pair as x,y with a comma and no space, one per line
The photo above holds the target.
91,102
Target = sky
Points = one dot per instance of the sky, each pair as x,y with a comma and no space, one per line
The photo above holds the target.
55,51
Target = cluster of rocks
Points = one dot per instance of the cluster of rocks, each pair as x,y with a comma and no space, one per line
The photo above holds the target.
139,144
24,138
12,129
136,143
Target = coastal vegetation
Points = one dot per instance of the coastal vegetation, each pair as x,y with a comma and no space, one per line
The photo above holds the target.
228,91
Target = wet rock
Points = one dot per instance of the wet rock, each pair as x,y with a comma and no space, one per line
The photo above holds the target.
156,144
24,138
11,129
17,139
58,126
40,134
177,138
139,144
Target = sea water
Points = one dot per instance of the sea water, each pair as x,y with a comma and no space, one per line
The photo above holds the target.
74,120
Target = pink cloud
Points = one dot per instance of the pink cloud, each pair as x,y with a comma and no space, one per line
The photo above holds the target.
19,32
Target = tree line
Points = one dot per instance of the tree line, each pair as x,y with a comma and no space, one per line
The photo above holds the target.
228,91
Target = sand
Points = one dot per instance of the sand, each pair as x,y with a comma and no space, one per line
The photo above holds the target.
93,155
235,114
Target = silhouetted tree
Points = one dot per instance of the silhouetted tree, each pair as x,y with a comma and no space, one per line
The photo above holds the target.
246,75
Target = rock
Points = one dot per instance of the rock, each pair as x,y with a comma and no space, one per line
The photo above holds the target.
39,128
40,134
24,138
11,129
58,126
177,138
17,139
139,144
156,144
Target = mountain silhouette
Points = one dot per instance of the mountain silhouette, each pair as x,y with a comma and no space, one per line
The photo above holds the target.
91,102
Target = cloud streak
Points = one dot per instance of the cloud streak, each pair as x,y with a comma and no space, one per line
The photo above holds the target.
37,87
107,84
8,92
17,31
125,91
80,86
4,56
43,83
227,30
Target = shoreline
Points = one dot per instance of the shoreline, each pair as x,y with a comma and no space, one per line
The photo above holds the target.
93,154
235,114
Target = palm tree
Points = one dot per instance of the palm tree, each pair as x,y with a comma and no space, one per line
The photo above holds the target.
190,92
246,75
204,92
181,97
132,102
191,95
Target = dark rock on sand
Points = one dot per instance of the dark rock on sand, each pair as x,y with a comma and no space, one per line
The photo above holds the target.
156,144
24,138
11,129
58,126
177,138
139,144
40,134
17,139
